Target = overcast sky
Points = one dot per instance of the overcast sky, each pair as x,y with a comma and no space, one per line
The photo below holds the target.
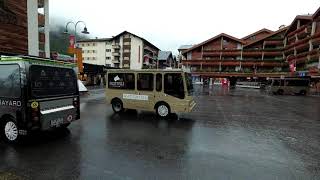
171,23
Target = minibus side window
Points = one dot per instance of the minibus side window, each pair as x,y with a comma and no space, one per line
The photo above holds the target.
173,85
145,81
10,81
159,82
121,81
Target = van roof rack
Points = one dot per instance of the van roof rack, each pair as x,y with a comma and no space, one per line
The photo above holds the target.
15,57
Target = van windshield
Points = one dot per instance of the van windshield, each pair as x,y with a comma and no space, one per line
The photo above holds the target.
49,81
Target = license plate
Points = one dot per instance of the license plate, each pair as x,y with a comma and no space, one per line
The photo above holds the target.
56,122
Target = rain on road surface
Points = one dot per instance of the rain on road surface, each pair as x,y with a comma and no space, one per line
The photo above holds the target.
232,134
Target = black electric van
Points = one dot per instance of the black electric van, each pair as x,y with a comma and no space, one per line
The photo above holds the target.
36,94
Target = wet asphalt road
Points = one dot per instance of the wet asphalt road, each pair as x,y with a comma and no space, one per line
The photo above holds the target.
232,134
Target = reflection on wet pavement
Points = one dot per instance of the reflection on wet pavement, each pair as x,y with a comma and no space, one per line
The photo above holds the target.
232,134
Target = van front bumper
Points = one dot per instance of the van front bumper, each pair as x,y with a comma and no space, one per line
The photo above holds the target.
191,106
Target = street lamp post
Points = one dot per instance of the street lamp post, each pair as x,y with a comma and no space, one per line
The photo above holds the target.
74,49
84,31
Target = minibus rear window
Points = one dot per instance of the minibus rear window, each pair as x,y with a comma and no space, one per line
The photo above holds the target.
49,81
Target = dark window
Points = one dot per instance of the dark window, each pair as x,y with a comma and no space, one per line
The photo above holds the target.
159,82
276,83
10,81
145,82
49,81
173,85
121,81
297,83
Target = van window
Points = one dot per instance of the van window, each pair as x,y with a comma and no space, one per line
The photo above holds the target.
10,80
121,81
145,81
276,82
173,85
47,81
297,82
159,82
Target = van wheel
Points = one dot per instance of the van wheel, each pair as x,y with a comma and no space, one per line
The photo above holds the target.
9,131
117,106
163,110
280,92
303,92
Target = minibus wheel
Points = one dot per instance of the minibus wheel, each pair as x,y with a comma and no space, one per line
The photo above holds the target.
303,92
163,110
117,105
280,92
9,131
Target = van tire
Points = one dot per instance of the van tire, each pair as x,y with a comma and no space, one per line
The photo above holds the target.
303,92
117,105
9,131
163,110
280,92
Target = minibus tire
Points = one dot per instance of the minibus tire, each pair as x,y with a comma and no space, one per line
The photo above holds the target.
117,105
302,92
9,131
280,92
164,112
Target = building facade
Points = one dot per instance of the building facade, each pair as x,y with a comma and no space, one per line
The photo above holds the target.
302,44
261,54
166,60
25,27
125,50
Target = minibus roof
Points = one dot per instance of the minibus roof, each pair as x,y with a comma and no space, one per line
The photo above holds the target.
36,60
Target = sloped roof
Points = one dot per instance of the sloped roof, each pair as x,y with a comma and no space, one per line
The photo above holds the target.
164,55
257,32
214,38
317,13
184,47
95,40
125,32
274,33
299,17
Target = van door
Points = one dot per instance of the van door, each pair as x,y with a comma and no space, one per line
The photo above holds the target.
174,92
145,90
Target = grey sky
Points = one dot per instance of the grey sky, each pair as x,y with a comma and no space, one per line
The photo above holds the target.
171,23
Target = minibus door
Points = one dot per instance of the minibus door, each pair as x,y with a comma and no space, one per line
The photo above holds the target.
145,86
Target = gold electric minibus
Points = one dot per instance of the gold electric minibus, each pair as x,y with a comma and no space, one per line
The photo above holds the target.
165,91
289,86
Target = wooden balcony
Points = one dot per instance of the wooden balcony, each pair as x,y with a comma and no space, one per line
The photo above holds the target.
275,43
116,54
211,53
316,41
306,32
306,40
116,46
40,3
41,20
302,28
273,53
42,37
303,47
240,74
273,63
252,53
231,52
